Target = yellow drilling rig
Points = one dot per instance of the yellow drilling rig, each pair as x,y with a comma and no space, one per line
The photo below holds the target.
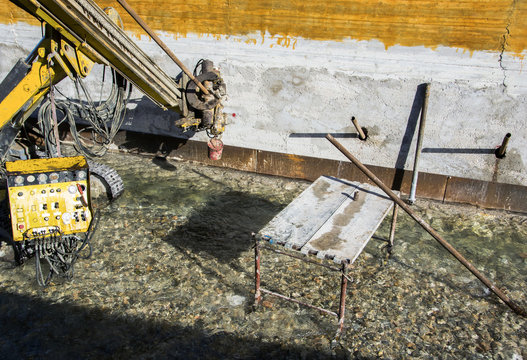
47,196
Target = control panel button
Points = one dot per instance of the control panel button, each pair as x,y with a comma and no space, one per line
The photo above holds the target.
42,178
66,218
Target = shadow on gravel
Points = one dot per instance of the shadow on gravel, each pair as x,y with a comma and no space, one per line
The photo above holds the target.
33,328
222,227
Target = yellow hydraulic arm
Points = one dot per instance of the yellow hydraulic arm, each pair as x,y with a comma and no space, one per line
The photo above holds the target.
51,61
92,32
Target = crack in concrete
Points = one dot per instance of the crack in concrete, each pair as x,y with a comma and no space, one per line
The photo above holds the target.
502,52
504,43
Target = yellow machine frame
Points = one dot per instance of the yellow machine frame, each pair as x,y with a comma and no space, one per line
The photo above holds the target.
55,58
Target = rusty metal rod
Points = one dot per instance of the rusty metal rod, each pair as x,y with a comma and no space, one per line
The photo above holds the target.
428,228
392,230
500,152
362,136
153,35
343,289
298,302
419,144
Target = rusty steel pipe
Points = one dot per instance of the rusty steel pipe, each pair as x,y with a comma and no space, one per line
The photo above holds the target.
153,35
392,229
343,289
428,228
362,135
502,150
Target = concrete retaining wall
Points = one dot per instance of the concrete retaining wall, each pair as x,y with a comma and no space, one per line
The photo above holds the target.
448,189
296,72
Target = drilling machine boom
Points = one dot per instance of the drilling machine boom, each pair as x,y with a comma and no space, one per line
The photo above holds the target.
89,29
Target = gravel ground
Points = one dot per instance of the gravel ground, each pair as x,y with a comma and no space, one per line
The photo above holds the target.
171,276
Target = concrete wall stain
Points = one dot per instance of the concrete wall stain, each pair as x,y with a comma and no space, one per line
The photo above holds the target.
494,25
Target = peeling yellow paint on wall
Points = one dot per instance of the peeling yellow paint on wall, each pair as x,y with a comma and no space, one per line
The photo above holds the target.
493,25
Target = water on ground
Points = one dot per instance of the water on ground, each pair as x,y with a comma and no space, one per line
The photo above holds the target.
172,276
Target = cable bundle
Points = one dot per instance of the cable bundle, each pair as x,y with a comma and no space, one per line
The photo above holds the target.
104,120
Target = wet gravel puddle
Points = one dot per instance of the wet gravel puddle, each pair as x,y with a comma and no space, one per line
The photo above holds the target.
171,276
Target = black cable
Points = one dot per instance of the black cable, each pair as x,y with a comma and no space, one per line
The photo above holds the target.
200,62
104,120
38,267
60,252
89,234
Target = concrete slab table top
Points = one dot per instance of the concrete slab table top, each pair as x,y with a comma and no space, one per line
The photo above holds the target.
332,218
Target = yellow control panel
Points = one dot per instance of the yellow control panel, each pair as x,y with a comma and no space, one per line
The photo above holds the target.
48,197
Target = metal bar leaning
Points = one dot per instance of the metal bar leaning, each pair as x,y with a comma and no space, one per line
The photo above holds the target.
153,35
419,144
428,228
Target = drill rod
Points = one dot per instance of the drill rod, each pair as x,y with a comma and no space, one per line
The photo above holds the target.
153,35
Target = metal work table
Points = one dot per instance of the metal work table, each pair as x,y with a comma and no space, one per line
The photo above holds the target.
332,219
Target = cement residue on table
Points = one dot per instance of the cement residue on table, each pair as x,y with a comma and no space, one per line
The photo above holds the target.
171,276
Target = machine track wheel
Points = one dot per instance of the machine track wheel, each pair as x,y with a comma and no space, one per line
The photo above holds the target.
108,177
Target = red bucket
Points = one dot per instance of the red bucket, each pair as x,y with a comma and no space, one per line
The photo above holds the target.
215,148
